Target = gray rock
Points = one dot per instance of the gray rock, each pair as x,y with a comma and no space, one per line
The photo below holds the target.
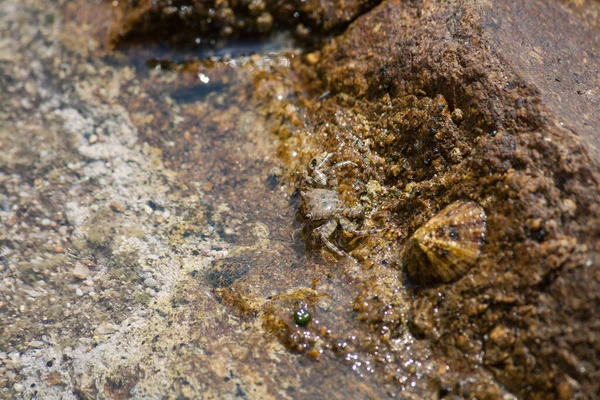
150,282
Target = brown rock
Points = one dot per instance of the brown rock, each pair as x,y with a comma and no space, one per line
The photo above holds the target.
525,80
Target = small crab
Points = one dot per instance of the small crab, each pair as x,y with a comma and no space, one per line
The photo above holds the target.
320,176
321,210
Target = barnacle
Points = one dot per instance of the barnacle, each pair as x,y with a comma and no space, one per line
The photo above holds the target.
447,246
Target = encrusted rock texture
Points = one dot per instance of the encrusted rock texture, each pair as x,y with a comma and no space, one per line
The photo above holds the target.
212,23
150,246
494,103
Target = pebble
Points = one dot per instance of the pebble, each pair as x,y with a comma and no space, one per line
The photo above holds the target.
81,271
457,115
150,282
93,139
313,58
79,292
26,104
117,207
46,222
12,220
564,391
570,207
33,293
18,387
106,328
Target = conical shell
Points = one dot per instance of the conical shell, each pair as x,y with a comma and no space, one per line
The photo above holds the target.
447,246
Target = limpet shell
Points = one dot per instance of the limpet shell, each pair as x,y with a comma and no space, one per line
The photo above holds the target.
447,246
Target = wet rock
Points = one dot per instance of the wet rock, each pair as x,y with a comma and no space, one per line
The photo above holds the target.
46,222
210,24
419,96
416,98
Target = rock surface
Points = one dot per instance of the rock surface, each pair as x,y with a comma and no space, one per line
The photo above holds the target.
466,101
175,186
205,24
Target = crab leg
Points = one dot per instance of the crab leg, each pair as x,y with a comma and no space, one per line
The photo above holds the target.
343,164
348,226
324,161
325,232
